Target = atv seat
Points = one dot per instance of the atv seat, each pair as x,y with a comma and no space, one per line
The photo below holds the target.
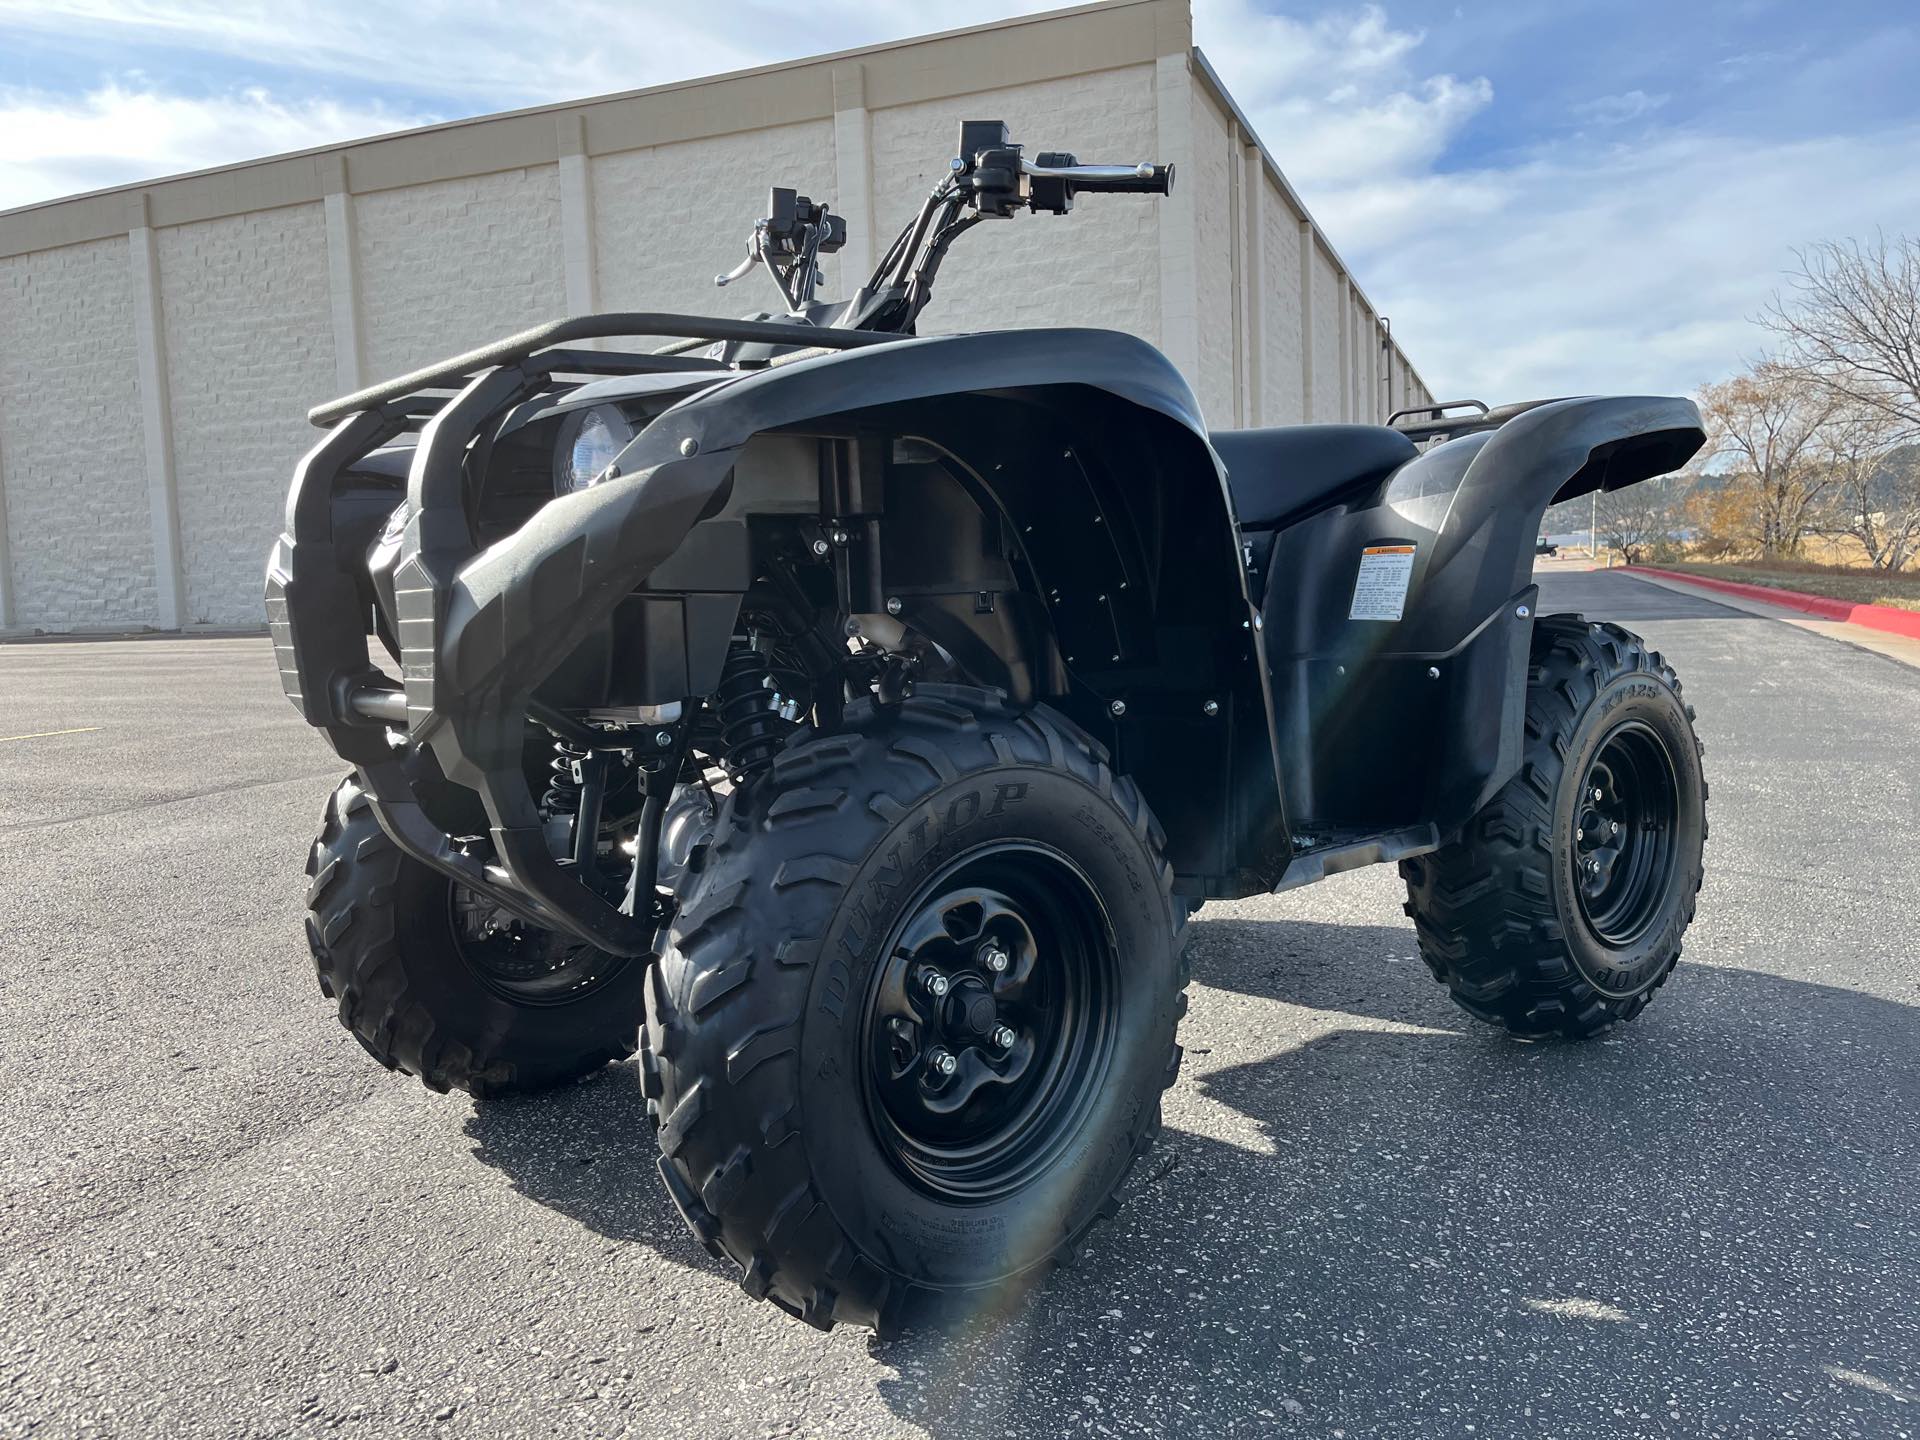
1281,474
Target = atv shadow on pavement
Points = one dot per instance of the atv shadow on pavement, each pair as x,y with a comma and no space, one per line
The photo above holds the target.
587,1151
1402,1222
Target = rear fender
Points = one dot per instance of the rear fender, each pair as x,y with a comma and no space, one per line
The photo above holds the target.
1553,452
1394,722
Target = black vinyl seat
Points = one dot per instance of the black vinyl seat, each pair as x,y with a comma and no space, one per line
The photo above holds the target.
1279,474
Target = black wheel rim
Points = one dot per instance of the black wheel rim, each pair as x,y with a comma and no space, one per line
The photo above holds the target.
521,962
1625,825
976,1080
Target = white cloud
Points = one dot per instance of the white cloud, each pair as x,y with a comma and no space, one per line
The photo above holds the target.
1619,109
1579,264
497,52
123,132
1334,97
1573,265
1331,141
1625,268
458,57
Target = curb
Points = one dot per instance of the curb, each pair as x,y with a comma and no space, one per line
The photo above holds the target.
1874,617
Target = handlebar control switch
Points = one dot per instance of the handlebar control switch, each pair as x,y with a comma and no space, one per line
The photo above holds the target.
990,168
790,219
1051,193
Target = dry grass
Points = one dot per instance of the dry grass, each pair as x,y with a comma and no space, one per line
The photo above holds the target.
1850,583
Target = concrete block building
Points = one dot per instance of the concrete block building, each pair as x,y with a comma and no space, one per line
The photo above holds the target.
160,343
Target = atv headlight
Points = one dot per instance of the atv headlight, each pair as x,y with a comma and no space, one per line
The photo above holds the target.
589,440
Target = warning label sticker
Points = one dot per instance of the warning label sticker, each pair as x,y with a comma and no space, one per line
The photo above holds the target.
1380,592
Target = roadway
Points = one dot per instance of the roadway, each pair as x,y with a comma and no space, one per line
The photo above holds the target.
1366,1216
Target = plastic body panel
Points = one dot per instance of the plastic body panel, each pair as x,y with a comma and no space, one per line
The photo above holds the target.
1278,474
1391,724
1089,448
479,630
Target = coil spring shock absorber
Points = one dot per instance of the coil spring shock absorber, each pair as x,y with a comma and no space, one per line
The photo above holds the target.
748,719
563,781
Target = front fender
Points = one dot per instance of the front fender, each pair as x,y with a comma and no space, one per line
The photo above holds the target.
518,609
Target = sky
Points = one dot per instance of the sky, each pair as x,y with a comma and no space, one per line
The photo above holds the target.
1546,196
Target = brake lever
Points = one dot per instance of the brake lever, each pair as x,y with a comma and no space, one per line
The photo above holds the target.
1092,173
746,265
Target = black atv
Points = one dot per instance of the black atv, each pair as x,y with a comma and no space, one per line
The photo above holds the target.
862,716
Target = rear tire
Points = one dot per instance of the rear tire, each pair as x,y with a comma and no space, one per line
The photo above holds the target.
1561,906
516,1011
795,1037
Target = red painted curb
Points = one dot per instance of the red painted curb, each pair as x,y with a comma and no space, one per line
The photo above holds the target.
1875,617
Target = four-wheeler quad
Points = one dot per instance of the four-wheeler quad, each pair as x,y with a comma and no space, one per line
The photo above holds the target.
861,716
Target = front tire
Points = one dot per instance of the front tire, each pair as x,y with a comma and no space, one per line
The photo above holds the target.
873,1144
1561,906
431,983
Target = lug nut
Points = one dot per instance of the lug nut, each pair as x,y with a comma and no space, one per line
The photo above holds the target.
1003,1037
941,1063
995,959
938,985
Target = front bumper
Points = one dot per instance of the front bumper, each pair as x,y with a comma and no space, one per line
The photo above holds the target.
478,631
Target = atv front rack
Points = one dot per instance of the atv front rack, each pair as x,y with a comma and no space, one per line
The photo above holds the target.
529,344
464,687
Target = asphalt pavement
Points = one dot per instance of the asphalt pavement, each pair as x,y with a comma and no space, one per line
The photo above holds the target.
1367,1216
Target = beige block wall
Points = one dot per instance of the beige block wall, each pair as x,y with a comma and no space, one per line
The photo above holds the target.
1283,399
76,494
448,266
1097,266
667,219
1326,340
275,286
244,310
1208,173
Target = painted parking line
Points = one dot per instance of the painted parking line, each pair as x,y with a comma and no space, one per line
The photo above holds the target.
46,734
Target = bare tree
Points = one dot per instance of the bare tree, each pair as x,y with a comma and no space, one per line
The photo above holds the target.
1875,494
1852,321
1642,521
1766,427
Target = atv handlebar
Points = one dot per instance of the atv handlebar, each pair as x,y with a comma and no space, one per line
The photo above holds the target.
989,178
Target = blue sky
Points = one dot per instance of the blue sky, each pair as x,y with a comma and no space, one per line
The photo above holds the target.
1547,198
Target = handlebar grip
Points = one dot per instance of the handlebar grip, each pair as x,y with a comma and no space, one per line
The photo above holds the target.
1158,180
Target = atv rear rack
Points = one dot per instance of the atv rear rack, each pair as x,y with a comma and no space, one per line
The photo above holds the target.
1439,426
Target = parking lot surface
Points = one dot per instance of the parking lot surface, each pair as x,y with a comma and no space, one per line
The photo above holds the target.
1367,1216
